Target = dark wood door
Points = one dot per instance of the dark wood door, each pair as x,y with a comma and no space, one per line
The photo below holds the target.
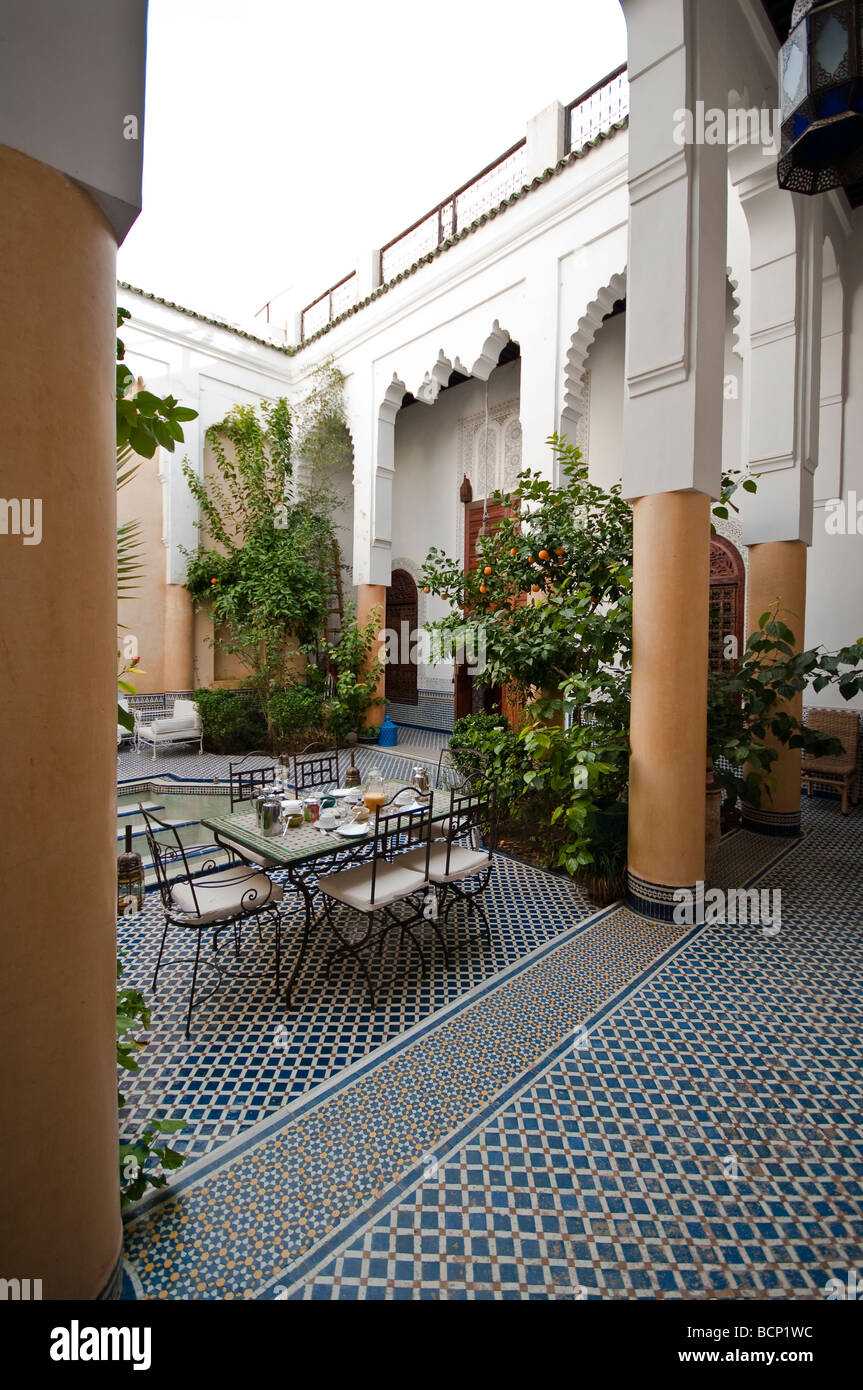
473,516
727,595
402,616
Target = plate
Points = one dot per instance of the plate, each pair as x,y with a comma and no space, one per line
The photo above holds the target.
342,791
352,832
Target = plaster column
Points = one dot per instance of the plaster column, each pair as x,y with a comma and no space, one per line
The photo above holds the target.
668,730
672,432
371,596
59,1199
177,661
777,570
787,256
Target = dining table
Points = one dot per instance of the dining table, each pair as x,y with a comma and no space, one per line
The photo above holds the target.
307,853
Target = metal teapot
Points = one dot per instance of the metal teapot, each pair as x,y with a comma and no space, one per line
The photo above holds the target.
271,814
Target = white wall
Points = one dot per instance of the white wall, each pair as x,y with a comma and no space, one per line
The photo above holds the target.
834,607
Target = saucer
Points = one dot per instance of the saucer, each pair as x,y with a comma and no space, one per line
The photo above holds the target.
352,832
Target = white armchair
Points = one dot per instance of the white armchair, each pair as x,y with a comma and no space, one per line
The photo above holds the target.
184,726
122,732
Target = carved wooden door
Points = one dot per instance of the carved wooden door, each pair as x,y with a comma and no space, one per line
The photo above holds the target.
727,594
402,615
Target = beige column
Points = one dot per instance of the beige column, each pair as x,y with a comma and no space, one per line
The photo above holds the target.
59,1203
177,661
668,730
777,573
371,596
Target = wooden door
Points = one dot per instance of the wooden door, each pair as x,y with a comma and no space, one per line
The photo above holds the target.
402,617
494,698
727,595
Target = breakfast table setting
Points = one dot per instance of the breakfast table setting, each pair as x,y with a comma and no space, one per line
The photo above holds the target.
329,829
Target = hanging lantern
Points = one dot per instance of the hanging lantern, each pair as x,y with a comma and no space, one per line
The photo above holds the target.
483,534
821,97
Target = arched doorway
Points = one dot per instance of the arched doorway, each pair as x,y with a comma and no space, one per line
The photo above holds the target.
402,617
727,596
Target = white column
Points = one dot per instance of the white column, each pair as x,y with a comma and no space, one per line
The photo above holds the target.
672,432
786,255
540,369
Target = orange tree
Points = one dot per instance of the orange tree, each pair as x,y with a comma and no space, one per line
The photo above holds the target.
568,548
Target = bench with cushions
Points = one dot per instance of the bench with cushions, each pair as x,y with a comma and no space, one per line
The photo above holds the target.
183,726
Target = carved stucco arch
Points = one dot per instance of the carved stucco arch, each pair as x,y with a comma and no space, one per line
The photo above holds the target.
580,345
426,390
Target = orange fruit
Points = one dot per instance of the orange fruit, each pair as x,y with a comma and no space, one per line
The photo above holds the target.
535,588
482,588
530,559
560,550
543,555
487,569
513,551
214,581
426,589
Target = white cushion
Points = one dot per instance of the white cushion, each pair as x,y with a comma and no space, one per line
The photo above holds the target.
228,892
354,886
161,727
463,863
176,724
186,709
255,855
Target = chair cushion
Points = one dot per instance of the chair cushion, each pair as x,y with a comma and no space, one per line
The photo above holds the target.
174,726
255,855
186,709
226,894
354,886
463,863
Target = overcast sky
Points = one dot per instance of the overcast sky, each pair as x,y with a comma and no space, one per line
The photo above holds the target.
283,139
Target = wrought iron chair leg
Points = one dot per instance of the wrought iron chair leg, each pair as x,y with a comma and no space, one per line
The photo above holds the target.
194,979
159,958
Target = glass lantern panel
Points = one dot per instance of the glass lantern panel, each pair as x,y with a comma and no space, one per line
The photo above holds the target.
830,49
793,73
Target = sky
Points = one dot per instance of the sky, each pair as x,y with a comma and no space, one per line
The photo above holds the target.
283,140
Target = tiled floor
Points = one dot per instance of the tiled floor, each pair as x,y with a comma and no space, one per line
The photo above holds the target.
186,765
630,1110
248,1057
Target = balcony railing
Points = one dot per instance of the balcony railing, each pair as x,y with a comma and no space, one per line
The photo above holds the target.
597,110
485,190
593,113
329,305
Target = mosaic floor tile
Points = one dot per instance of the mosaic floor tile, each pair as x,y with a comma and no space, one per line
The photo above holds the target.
703,1141
634,1110
345,1149
247,1057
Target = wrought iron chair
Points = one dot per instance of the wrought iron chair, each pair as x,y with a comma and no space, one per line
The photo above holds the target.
470,768
244,782
459,865
210,900
387,881
316,766
841,772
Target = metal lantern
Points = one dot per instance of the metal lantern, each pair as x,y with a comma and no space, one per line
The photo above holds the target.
130,879
821,97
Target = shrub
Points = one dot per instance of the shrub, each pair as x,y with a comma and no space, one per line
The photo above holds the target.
232,722
483,745
295,716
